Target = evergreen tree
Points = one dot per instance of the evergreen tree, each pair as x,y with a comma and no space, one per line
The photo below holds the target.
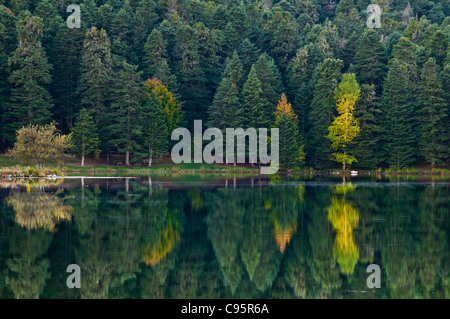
270,77
96,73
366,147
190,74
255,106
398,134
227,109
8,43
66,74
85,138
286,120
438,47
123,119
345,127
31,103
433,134
322,112
153,127
249,54
370,59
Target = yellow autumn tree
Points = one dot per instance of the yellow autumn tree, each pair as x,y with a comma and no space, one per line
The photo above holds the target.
344,218
284,107
171,107
345,127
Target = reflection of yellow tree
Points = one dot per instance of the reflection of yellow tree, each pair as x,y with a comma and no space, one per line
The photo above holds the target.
344,218
283,236
39,210
165,244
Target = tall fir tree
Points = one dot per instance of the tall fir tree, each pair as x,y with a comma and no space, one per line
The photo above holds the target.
255,106
227,108
123,119
327,77
366,147
287,122
96,73
8,43
31,103
433,134
66,75
85,137
370,59
190,75
154,134
398,134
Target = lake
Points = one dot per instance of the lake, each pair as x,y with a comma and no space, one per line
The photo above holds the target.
193,237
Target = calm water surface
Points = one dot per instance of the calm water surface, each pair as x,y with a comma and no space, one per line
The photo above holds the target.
225,238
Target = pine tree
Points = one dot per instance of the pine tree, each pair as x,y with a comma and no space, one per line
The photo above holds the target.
286,121
227,108
190,74
345,127
370,59
153,128
398,133
433,134
96,73
437,47
85,138
271,83
255,105
31,103
366,147
284,38
66,74
8,43
123,119
322,112
249,54
155,52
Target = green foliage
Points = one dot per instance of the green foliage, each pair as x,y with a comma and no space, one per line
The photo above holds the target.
85,138
38,144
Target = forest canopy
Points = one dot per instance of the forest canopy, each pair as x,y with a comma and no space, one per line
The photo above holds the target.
228,63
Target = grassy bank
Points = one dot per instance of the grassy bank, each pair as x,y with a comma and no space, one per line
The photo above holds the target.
10,167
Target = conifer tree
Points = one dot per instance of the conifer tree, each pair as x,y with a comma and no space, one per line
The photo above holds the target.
255,106
154,133
286,120
271,83
370,59
31,103
345,127
433,135
123,119
85,138
66,74
96,73
322,112
366,147
398,133
227,110
190,75
8,43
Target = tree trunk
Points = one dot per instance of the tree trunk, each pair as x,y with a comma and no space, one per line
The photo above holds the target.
127,159
150,155
82,160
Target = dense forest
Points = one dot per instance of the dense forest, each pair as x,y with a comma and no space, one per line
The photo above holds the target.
137,69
